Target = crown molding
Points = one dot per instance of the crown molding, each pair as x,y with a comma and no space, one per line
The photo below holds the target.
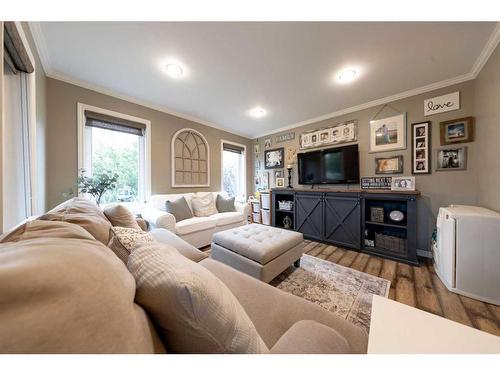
101,90
41,46
488,49
374,103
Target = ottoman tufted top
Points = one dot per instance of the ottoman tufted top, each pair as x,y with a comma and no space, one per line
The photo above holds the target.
260,243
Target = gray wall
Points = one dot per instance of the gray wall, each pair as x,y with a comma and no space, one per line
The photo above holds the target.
62,159
487,108
437,189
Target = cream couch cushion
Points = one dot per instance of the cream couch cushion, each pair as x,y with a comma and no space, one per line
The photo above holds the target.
120,216
124,239
193,310
226,218
68,295
204,204
84,213
194,224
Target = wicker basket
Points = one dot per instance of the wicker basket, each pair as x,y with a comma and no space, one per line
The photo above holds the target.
390,243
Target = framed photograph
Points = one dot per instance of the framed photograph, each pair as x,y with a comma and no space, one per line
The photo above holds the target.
388,134
457,131
257,164
305,140
451,159
274,159
267,143
280,182
264,181
421,148
256,148
324,136
390,165
403,183
278,174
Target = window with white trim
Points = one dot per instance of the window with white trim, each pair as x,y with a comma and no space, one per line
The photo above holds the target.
113,144
233,170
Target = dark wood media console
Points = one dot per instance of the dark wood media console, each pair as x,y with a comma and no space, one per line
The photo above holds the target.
357,219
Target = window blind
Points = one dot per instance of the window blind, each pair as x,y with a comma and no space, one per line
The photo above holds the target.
15,52
233,148
99,120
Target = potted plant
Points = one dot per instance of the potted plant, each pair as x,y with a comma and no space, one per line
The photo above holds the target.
97,184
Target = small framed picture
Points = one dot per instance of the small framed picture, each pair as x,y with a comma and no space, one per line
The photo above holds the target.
257,164
267,143
274,159
403,183
280,182
377,214
324,136
390,165
256,148
451,159
457,131
421,148
305,140
278,174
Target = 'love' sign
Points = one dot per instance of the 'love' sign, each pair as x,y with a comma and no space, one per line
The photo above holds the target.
443,103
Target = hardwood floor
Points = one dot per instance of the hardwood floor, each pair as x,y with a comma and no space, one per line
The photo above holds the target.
419,287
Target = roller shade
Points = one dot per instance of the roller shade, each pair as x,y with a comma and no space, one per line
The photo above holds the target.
15,52
99,120
233,148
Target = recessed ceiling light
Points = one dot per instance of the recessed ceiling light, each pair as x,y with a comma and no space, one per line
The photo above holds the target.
347,75
174,70
257,112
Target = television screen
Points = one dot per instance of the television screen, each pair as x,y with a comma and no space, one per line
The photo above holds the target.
338,165
310,168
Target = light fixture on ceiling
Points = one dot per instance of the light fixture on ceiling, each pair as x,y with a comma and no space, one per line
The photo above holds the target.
174,70
257,112
347,75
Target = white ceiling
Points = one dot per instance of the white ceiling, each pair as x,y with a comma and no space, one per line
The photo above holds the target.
288,68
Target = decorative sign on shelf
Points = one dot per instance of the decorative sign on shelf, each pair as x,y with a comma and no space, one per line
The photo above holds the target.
381,183
443,103
285,137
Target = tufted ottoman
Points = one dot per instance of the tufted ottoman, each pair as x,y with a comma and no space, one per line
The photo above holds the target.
258,250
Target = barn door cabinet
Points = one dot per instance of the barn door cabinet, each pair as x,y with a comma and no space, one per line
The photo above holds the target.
344,218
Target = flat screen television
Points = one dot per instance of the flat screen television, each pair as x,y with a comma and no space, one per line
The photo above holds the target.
339,165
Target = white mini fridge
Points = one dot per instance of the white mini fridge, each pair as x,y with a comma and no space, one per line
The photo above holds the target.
467,255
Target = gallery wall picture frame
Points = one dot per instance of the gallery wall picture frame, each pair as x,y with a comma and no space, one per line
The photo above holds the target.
457,131
421,147
256,148
264,181
274,159
404,183
344,132
451,158
290,136
267,143
280,182
278,174
291,155
389,165
388,134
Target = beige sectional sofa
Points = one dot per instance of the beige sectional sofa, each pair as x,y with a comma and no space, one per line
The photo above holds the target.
62,290
198,231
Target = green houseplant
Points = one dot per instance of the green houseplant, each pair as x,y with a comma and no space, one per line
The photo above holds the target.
97,184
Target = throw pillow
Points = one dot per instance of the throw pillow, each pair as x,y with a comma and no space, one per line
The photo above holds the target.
124,239
193,310
204,205
120,216
225,204
179,208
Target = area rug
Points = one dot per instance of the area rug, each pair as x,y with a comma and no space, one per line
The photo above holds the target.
343,291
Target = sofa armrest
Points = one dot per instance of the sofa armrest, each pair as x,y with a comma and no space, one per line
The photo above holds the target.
159,218
243,208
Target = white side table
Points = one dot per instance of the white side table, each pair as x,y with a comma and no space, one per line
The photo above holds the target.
396,328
